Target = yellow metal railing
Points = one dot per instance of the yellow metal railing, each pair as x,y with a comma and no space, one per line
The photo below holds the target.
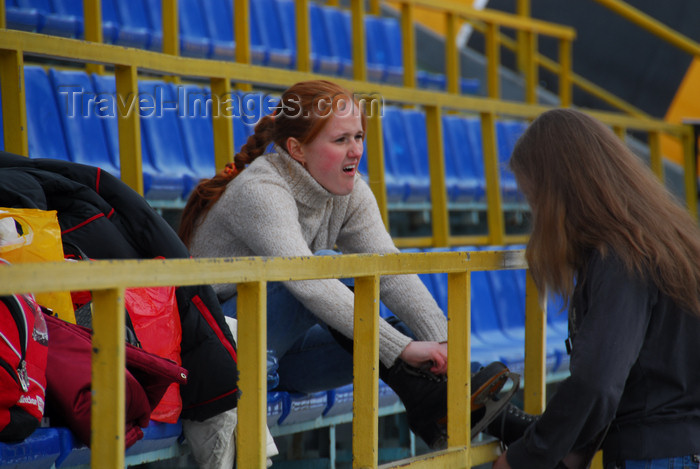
127,63
109,279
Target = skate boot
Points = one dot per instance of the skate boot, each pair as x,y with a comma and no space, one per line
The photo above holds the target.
424,395
510,424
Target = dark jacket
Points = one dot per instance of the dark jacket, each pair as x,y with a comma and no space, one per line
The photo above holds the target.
108,220
635,372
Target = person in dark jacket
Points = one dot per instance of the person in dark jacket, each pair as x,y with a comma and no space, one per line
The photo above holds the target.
609,238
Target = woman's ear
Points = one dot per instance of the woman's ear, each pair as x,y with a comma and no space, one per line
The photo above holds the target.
295,150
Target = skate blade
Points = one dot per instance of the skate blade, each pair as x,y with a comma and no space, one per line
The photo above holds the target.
495,406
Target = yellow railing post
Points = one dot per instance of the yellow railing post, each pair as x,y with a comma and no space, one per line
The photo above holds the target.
375,159
535,348
359,55
303,36
458,364
108,379
565,73
222,122
452,72
129,126
13,101
436,165
493,59
408,35
365,425
252,363
241,20
3,16
530,66
494,214
92,12
655,158
522,9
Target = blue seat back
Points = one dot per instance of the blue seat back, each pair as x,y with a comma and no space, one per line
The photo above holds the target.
196,127
417,136
44,128
161,132
475,150
396,154
85,135
218,15
194,36
394,41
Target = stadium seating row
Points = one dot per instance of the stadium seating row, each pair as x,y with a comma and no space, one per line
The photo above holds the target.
206,31
73,116
498,321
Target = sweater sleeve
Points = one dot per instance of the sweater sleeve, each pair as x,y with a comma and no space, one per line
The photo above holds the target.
605,348
274,230
405,295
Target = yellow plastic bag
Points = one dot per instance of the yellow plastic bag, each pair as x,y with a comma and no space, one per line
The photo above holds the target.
38,239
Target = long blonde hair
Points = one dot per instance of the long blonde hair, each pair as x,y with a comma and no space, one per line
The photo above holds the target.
587,192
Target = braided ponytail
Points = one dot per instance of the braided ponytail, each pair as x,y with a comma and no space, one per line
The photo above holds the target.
209,191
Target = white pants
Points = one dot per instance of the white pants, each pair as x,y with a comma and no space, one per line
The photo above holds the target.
213,441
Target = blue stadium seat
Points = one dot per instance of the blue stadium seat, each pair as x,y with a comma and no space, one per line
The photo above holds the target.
397,156
322,58
507,133
195,123
375,49
468,184
135,27
265,16
462,186
84,133
39,450
219,17
70,12
509,301
162,135
300,407
194,36
473,163
22,18
322,54
438,81
275,407
415,128
389,32
156,436
44,129
259,53
52,21
157,184
339,39
153,15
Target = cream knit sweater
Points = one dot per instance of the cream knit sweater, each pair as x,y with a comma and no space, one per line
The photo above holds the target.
276,208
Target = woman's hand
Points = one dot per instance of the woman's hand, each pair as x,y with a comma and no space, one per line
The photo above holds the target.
501,462
420,354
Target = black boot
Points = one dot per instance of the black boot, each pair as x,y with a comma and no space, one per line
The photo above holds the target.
510,424
424,395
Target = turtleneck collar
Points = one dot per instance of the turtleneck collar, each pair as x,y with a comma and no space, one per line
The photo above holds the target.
305,188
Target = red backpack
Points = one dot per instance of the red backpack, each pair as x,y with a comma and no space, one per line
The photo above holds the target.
23,353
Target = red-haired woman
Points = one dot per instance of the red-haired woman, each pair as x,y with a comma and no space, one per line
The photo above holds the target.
304,197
